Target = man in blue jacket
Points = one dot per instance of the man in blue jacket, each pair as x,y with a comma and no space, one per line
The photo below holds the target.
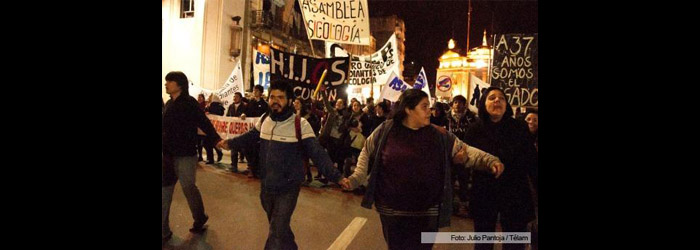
281,166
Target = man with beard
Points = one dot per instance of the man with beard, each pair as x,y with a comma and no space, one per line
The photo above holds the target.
281,161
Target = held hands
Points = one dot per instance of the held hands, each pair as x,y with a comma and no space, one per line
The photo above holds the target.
345,183
223,144
242,116
497,169
461,156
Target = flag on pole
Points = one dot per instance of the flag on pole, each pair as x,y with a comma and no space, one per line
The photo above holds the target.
233,84
422,84
477,87
393,89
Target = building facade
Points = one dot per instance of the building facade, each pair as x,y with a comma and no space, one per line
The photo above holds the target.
197,37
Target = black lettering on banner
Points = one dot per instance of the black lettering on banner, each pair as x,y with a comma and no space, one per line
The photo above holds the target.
327,24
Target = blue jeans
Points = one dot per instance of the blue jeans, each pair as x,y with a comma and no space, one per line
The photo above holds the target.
167,197
279,207
185,169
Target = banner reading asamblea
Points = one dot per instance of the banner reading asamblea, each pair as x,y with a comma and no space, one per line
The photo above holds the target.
342,21
514,68
304,72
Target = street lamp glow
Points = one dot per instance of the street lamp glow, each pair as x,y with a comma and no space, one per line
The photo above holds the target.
480,64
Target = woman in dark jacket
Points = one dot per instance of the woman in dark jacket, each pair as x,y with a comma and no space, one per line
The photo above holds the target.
410,162
532,119
498,133
200,144
302,111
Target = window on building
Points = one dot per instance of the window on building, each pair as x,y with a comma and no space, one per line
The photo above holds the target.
186,8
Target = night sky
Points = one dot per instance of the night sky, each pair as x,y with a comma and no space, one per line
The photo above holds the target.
431,23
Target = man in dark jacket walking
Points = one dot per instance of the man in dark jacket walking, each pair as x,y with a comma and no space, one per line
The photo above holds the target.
181,118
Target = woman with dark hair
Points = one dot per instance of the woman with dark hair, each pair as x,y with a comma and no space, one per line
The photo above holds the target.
498,133
301,110
532,118
410,163
202,101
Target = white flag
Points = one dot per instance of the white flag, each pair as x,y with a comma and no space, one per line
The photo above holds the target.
422,84
195,90
393,89
476,87
233,84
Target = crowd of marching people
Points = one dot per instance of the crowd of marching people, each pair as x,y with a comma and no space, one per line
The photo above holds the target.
417,163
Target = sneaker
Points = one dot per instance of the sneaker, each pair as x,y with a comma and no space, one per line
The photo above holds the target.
218,157
200,159
199,227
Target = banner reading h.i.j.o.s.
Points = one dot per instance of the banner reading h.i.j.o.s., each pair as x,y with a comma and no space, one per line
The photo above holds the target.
304,72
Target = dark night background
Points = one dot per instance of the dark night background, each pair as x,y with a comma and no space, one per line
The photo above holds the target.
431,23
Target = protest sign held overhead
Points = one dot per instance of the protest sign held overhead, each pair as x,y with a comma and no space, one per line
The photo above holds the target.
373,69
261,69
341,21
394,88
233,84
304,72
514,68
422,84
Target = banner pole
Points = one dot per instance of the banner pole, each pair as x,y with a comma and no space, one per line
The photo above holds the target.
313,51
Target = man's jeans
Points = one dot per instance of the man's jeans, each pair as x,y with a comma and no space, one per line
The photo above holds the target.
185,169
279,207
